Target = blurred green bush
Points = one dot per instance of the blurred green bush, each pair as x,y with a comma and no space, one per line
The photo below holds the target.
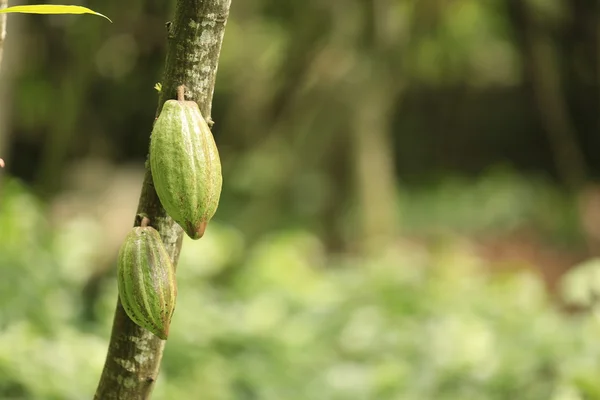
283,320
499,201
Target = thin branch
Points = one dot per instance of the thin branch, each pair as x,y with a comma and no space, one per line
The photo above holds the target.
3,4
194,44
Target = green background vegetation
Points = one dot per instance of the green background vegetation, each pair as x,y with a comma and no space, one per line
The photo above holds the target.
406,184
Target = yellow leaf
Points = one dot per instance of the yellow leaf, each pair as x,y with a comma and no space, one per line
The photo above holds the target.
51,9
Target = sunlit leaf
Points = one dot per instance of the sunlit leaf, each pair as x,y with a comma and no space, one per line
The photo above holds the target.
51,9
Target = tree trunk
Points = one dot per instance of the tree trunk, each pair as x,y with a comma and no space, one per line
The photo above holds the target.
543,73
194,43
376,179
3,4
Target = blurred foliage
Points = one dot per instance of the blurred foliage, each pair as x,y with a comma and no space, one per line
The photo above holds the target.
281,319
499,201
581,286
291,77
455,88
270,305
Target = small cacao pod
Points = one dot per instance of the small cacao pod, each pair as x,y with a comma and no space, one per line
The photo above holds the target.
146,281
185,165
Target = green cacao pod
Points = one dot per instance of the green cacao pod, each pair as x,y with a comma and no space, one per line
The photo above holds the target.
185,165
146,281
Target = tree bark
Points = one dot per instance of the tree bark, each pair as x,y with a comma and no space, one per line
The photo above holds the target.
194,44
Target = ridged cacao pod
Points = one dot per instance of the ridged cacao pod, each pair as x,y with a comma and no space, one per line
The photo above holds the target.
185,165
146,281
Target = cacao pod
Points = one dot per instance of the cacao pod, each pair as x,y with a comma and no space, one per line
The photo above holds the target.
185,165
146,281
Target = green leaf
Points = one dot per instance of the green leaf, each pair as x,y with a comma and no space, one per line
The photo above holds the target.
51,9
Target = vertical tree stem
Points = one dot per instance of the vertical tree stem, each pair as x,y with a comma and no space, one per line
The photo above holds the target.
194,44
3,4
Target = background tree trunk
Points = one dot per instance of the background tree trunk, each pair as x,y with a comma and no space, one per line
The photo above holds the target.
3,4
194,44
376,180
543,73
